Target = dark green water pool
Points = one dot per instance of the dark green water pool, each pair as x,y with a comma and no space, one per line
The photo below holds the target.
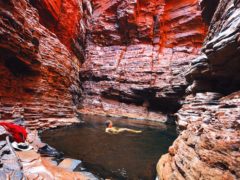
121,156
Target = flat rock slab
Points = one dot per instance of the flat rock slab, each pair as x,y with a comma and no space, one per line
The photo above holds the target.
37,167
69,164
27,156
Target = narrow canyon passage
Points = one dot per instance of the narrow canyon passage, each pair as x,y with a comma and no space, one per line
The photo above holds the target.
162,62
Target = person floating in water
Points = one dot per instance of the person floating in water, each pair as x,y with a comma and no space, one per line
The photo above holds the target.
115,130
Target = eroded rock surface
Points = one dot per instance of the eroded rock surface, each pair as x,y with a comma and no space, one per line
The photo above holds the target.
209,145
136,53
68,19
136,56
217,69
38,75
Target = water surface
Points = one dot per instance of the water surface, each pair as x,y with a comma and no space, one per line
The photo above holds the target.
121,156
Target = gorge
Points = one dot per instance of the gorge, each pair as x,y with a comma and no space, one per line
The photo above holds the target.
162,61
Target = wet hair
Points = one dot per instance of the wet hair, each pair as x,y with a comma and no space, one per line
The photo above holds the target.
108,122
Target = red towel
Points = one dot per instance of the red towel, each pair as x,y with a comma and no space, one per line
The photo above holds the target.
18,133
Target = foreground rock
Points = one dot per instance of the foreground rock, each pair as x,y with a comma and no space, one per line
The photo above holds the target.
217,69
30,165
10,167
37,167
210,147
197,107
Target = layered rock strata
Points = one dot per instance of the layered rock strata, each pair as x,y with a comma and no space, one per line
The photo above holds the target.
38,75
136,54
120,41
209,147
217,69
68,19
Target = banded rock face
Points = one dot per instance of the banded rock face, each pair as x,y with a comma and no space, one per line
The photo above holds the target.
209,145
217,69
136,56
68,19
38,75
132,56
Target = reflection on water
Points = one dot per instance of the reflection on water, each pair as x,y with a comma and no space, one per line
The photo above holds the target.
121,156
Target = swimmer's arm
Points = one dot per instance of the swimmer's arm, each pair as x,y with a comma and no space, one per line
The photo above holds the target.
114,130
129,130
133,131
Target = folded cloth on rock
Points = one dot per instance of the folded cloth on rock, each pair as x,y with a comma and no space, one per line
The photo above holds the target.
21,146
18,133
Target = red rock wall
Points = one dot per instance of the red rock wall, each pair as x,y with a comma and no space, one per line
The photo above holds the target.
136,55
132,57
164,22
68,19
38,75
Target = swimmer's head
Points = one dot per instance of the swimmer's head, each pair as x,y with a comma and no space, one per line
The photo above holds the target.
108,123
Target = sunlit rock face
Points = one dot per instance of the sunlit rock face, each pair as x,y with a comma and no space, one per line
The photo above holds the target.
136,55
209,142
68,19
38,75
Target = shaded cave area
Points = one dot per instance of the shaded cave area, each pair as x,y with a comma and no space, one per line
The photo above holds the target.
18,86
208,9
139,104
145,99
19,68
